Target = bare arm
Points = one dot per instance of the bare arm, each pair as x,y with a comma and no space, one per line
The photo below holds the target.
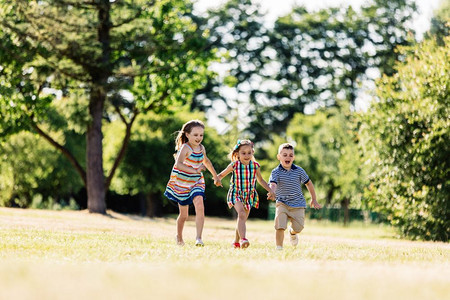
312,191
179,161
208,164
273,186
264,184
225,172
211,169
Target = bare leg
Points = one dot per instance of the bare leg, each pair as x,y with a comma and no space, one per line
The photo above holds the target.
199,215
279,237
241,219
182,217
236,237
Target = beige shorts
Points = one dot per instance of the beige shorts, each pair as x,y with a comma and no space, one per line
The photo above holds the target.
296,215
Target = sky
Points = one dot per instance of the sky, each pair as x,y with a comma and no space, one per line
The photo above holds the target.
276,8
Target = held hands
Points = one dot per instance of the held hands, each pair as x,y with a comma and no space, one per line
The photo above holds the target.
315,204
217,181
271,195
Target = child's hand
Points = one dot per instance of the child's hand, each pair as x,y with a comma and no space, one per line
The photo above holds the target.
201,168
217,181
271,195
315,204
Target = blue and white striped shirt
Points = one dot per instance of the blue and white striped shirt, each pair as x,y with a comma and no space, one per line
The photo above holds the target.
289,185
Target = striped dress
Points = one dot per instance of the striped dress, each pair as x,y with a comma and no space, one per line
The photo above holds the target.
243,185
183,186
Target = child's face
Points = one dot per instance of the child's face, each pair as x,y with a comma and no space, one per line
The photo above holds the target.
195,137
245,154
286,158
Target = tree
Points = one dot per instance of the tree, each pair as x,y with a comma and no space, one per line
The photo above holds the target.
328,56
237,31
107,60
306,58
405,137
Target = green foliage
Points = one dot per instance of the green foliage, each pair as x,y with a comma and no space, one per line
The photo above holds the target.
325,57
107,60
405,138
237,31
40,203
440,26
30,169
156,54
308,57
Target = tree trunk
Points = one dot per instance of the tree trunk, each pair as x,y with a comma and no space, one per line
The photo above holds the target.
153,202
150,208
330,194
96,190
94,153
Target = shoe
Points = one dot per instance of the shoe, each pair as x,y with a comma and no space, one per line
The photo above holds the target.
244,243
179,242
294,238
199,243
236,245
279,247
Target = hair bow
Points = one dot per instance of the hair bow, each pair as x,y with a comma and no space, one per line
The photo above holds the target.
237,145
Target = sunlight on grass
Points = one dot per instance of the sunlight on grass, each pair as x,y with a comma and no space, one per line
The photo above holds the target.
121,257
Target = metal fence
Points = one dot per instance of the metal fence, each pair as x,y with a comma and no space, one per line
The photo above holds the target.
334,214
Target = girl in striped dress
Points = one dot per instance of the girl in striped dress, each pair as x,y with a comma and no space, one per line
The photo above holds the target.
242,194
186,184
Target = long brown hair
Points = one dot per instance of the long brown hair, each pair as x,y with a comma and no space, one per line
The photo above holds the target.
187,128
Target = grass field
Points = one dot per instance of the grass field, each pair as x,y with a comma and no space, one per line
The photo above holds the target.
77,255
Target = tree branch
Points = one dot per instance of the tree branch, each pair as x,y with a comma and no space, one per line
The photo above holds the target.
152,105
122,150
78,3
127,137
128,20
62,149
122,117
36,35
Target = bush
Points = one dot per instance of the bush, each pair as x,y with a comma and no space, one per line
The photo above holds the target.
405,138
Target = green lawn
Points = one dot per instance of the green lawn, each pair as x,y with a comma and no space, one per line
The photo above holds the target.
77,255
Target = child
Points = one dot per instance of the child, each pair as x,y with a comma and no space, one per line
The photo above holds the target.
286,180
242,194
186,184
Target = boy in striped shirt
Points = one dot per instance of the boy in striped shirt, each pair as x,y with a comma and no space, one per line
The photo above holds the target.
286,180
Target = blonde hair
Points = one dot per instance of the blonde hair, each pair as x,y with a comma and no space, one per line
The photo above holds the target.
233,155
187,128
288,146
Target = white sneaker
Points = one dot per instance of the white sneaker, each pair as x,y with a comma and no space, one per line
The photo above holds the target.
199,243
244,243
279,247
294,238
